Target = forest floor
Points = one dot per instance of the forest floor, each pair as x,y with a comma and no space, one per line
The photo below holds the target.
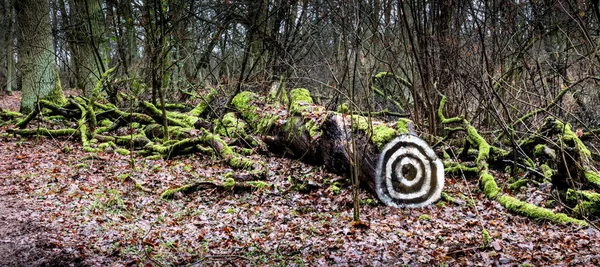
74,208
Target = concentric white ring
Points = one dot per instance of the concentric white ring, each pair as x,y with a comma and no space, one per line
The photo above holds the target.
396,190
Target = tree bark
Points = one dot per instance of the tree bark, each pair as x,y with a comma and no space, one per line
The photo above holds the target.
36,57
87,22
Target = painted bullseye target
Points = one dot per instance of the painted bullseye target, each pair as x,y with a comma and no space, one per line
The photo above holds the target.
409,173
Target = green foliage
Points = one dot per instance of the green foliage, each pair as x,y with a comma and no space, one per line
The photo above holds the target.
536,212
489,185
343,108
518,184
300,101
402,125
229,183
122,151
259,184
486,238
380,135
447,197
334,189
425,217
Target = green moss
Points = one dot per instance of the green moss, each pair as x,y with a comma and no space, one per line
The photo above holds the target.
535,212
402,126
123,176
157,148
229,183
518,184
457,168
300,101
259,184
448,198
181,119
334,189
229,126
105,123
569,135
247,151
204,103
343,108
539,150
381,74
261,123
476,139
106,145
586,207
445,155
486,237
56,96
122,151
575,195
82,166
592,177
66,149
443,118
359,122
169,193
424,217
547,171
490,188
155,157
242,102
382,134
11,114
90,149
266,123
238,162
312,128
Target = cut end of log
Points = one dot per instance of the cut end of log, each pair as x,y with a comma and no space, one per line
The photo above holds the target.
409,173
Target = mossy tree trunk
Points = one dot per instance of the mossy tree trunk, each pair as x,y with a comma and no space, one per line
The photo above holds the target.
36,57
86,30
309,132
10,46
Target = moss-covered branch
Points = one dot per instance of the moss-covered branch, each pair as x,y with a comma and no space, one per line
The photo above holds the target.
44,132
228,184
489,185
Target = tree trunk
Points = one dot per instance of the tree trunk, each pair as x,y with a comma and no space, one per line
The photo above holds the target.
87,22
10,60
400,169
36,57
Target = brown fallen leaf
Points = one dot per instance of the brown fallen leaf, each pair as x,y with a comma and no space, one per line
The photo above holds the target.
497,245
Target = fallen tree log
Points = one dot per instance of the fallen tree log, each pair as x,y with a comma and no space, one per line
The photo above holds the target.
409,175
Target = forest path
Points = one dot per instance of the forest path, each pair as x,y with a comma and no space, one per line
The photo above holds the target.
23,240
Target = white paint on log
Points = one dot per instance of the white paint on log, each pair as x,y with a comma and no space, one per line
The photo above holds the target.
396,190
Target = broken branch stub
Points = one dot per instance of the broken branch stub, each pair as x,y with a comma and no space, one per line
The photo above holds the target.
409,173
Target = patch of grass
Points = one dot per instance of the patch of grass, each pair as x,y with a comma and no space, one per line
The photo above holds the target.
424,217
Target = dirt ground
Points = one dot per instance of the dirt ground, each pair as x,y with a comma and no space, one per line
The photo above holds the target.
24,241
